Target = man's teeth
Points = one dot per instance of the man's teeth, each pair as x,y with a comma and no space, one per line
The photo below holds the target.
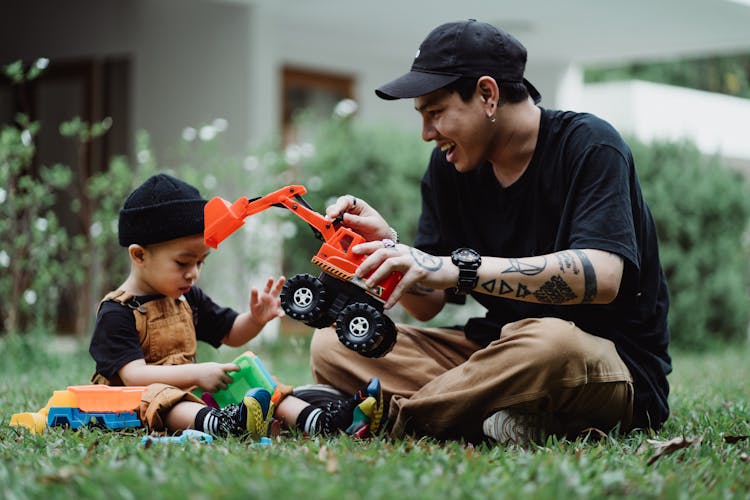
447,146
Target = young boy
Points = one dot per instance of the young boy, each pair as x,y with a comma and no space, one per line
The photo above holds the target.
146,330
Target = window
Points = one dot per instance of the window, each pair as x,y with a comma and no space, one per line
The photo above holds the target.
313,93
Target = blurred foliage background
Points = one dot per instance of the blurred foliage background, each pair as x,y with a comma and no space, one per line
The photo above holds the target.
701,210
726,75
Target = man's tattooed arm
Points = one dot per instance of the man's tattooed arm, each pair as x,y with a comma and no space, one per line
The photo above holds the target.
425,260
573,280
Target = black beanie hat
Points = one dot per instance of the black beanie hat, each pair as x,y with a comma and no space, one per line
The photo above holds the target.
161,209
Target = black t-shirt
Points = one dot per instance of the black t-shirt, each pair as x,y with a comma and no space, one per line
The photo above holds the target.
116,341
579,191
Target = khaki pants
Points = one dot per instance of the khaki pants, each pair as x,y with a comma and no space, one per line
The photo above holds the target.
442,385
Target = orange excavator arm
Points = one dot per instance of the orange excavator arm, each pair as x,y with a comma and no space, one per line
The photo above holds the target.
222,218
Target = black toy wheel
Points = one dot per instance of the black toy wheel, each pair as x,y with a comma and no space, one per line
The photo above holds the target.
303,298
363,328
386,342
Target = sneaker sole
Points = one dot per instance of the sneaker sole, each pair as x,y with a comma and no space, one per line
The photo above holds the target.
258,421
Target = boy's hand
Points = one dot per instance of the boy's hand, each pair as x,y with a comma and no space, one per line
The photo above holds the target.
266,305
213,376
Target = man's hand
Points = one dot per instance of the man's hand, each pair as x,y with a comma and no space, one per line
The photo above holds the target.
359,216
416,266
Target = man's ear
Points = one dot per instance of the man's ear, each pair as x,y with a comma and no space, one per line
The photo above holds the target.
137,253
489,92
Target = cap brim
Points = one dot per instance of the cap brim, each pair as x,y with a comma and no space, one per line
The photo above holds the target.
533,92
414,84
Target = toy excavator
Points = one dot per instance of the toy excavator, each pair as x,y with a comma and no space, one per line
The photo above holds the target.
336,295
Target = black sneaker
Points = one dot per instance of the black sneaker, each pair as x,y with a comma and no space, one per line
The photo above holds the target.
359,415
250,417
319,395
369,413
336,417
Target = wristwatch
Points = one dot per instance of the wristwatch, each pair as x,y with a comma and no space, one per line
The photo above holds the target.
467,261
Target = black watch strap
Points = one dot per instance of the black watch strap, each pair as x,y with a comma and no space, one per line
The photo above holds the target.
467,261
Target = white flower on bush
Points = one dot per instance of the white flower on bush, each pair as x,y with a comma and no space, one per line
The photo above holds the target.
220,124
42,63
4,258
29,296
209,182
41,224
144,156
345,108
207,133
189,134
26,138
293,154
251,163
3,195
96,229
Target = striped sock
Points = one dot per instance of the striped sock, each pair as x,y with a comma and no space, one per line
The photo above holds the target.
207,420
309,420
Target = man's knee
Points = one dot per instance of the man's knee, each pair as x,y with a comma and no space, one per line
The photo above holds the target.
324,341
563,350
546,340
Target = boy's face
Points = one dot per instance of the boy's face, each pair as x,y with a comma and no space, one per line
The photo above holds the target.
172,268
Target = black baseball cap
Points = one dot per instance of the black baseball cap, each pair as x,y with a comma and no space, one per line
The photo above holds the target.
457,50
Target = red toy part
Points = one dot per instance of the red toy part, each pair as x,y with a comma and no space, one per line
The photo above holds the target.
334,257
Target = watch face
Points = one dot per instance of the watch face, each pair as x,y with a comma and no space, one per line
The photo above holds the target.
467,255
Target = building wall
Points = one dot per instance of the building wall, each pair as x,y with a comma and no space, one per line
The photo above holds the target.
716,123
189,57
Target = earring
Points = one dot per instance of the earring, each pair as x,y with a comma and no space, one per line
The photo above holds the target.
492,118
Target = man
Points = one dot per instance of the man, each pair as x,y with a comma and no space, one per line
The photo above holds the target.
536,213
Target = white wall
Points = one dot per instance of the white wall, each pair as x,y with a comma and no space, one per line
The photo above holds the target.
718,124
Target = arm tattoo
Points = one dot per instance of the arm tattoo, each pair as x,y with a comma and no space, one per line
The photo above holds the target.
589,277
566,261
420,290
526,268
555,291
425,260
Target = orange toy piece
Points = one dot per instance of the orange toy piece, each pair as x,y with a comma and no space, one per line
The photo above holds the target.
337,295
98,398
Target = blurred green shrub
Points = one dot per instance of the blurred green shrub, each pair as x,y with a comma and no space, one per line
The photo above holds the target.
34,243
701,209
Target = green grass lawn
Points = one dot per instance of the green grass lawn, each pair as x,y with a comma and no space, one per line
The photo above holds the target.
710,424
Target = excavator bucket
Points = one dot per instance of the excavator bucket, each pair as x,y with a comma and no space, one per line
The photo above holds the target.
222,219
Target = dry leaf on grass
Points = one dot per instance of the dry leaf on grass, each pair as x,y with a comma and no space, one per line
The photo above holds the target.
668,447
734,439
330,459
332,466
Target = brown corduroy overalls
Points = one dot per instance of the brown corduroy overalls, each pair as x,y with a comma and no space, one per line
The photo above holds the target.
167,336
